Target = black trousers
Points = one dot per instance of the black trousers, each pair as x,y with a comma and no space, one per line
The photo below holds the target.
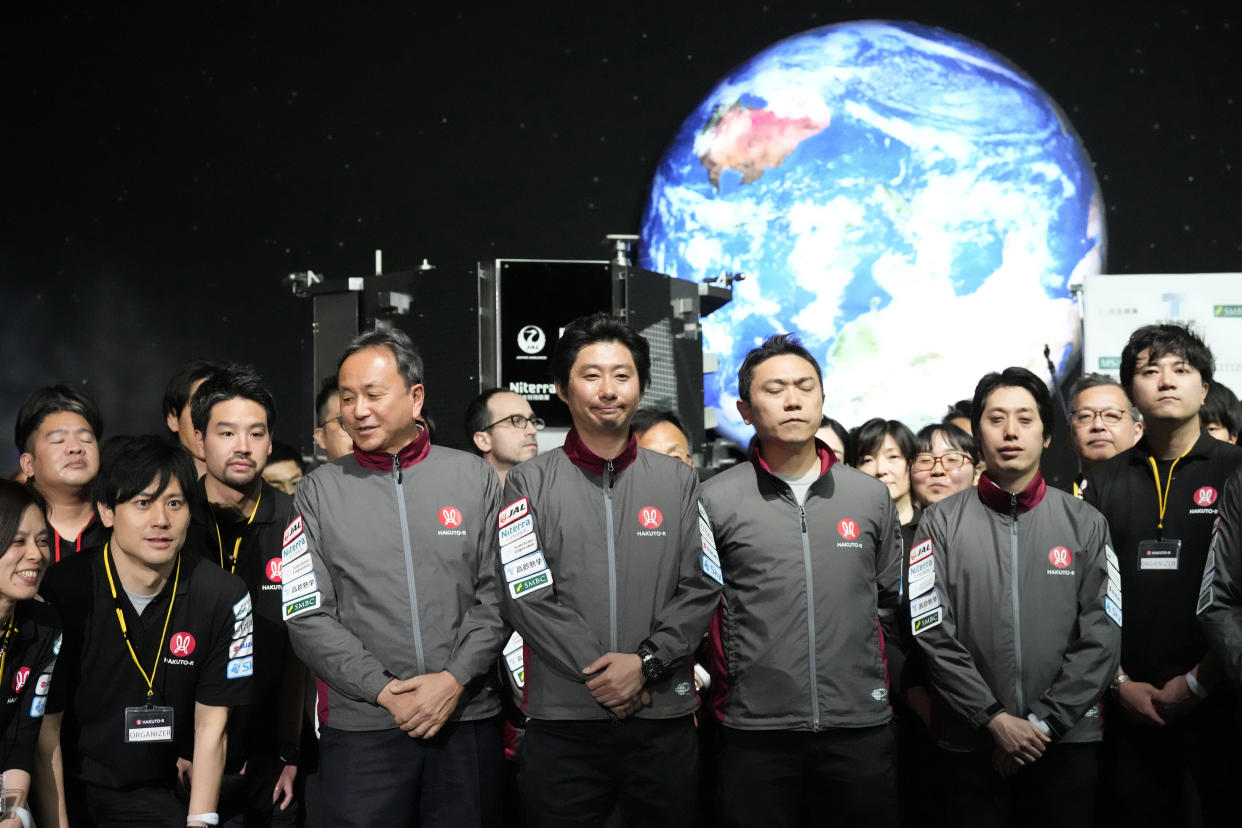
577,773
842,776
91,806
1183,774
385,777
1057,790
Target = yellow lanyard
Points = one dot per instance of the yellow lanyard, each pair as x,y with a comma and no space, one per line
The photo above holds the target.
120,616
4,648
237,543
1162,496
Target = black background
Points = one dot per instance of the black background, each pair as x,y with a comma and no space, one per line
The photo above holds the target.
165,166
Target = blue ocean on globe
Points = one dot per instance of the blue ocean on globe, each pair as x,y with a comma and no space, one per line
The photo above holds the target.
909,202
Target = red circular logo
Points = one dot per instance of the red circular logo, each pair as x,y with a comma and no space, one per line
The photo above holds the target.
19,678
848,529
650,517
1060,557
1205,496
450,517
273,570
181,644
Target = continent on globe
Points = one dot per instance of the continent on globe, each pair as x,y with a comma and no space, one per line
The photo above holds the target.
749,140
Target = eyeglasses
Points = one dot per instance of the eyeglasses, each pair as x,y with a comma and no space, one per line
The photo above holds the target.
336,419
1110,416
948,461
519,422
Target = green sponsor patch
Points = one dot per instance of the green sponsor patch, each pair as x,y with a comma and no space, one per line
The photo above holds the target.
301,605
1109,362
1227,311
926,621
530,584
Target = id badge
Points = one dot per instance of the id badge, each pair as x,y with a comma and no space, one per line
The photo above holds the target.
148,724
1159,554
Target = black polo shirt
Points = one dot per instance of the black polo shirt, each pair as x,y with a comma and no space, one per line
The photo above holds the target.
91,539
252,730
1160,637
25,681
96,679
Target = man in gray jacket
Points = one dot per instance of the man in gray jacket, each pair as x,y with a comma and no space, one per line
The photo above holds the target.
603,553
811,553
391,597
1015,603
1220,594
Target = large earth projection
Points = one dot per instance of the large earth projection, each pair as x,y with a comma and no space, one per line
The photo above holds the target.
909,202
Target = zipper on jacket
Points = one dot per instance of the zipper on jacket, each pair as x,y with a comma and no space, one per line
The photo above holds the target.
1017,608
612,559
409,565
810,620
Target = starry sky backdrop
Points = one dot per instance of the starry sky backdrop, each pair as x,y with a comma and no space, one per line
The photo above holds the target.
165,167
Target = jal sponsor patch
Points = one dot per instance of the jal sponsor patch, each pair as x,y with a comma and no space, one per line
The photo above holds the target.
293,530
515,510
301,605
292,590
926,603
43,685
241,647
524,587
294,549
520,547
297,568
240,668
243,607
926,621
923,550
518,529
525,567
450,517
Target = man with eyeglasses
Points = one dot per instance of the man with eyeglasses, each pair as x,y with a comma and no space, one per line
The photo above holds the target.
501,426
1103,423
330,434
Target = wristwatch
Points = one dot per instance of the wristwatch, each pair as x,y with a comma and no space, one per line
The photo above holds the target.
288,754
1118,680
653,668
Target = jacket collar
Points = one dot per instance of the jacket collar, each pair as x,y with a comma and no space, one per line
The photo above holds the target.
414,452
827,459
1203,447
997,499
587,460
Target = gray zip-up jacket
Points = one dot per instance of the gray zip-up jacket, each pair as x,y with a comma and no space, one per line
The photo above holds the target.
598,556
1015,602
389,570
807,589
1220,592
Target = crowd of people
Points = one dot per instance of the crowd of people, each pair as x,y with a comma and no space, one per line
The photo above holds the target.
865,626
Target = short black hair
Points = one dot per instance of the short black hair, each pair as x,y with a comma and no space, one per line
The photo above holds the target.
1161,340
955,436
774,346
599,327
1013,378
961,408
479,416
15,499
232,382
646,418
409,363
282,452
177,392
330,385
127,466
841,431
869,437
1221,408
53,399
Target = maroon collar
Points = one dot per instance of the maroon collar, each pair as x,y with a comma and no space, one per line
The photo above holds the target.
585,459
415,451
827,458
998,500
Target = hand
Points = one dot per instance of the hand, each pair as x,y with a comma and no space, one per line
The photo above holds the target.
1174,698
1138,701
618,683
1004,764
422,704
284,785
185,771
1017,738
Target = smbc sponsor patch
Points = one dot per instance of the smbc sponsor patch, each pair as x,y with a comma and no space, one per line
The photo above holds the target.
926,621
301,605
524,587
